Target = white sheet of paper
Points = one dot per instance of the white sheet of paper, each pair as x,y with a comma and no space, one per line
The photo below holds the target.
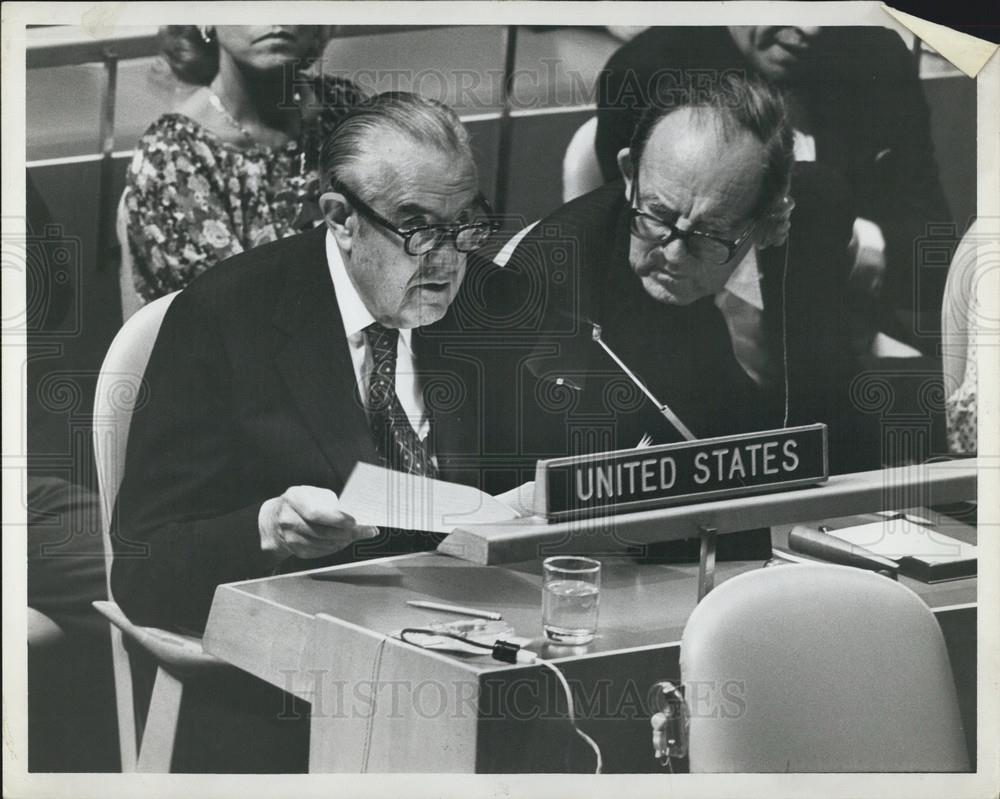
387,498
896,538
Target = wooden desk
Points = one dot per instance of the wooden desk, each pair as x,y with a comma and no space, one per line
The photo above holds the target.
381,705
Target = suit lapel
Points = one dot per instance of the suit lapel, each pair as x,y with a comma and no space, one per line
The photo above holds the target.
315,362
603,274
453,426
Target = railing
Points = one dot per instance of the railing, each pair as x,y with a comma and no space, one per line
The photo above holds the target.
62,46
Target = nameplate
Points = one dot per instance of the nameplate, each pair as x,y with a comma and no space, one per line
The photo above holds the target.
627,480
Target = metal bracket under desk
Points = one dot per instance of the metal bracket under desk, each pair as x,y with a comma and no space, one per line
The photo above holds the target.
706,560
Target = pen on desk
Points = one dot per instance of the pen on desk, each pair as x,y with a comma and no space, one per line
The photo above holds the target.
479,614
892,515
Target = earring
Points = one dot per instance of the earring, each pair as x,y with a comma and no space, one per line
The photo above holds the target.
207,32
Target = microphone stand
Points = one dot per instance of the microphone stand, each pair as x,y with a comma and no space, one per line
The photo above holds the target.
708,533
664,409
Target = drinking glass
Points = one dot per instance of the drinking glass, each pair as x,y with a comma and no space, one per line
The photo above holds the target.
571,593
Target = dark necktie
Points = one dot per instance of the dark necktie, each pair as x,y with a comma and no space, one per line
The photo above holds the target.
395,439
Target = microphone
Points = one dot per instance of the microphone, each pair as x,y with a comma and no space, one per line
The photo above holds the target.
820,544
663,408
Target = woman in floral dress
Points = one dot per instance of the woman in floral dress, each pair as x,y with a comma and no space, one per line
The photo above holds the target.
236,165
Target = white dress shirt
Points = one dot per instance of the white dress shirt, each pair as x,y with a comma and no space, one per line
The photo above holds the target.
356,318
742,306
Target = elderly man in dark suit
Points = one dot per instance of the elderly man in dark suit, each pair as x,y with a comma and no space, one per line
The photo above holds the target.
278,371
687,268
856,106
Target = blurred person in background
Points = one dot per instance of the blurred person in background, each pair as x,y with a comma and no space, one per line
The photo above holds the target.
236,164
966,326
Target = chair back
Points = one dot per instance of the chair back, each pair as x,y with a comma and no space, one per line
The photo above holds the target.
120,389
811,668
581,172
130,299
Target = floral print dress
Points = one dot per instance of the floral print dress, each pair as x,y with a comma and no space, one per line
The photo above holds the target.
194,200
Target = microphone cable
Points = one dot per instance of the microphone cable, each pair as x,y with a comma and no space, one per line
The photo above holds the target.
506,652
784,330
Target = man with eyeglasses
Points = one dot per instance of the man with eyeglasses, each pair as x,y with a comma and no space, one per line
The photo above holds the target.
713,276
857,107
278,371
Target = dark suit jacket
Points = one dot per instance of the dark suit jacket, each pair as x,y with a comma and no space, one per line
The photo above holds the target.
867,112
250,390
574,266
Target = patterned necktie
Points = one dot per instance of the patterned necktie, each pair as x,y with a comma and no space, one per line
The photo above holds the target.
395,439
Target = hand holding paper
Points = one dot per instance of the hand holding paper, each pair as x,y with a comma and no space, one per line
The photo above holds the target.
387,498
308,522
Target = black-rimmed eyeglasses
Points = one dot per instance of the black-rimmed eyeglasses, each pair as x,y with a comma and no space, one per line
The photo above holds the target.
702,246
422,239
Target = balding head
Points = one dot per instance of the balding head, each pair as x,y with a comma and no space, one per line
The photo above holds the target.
732,105
705,177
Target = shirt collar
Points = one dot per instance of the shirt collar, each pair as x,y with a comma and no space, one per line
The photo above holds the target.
744,282
353,311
